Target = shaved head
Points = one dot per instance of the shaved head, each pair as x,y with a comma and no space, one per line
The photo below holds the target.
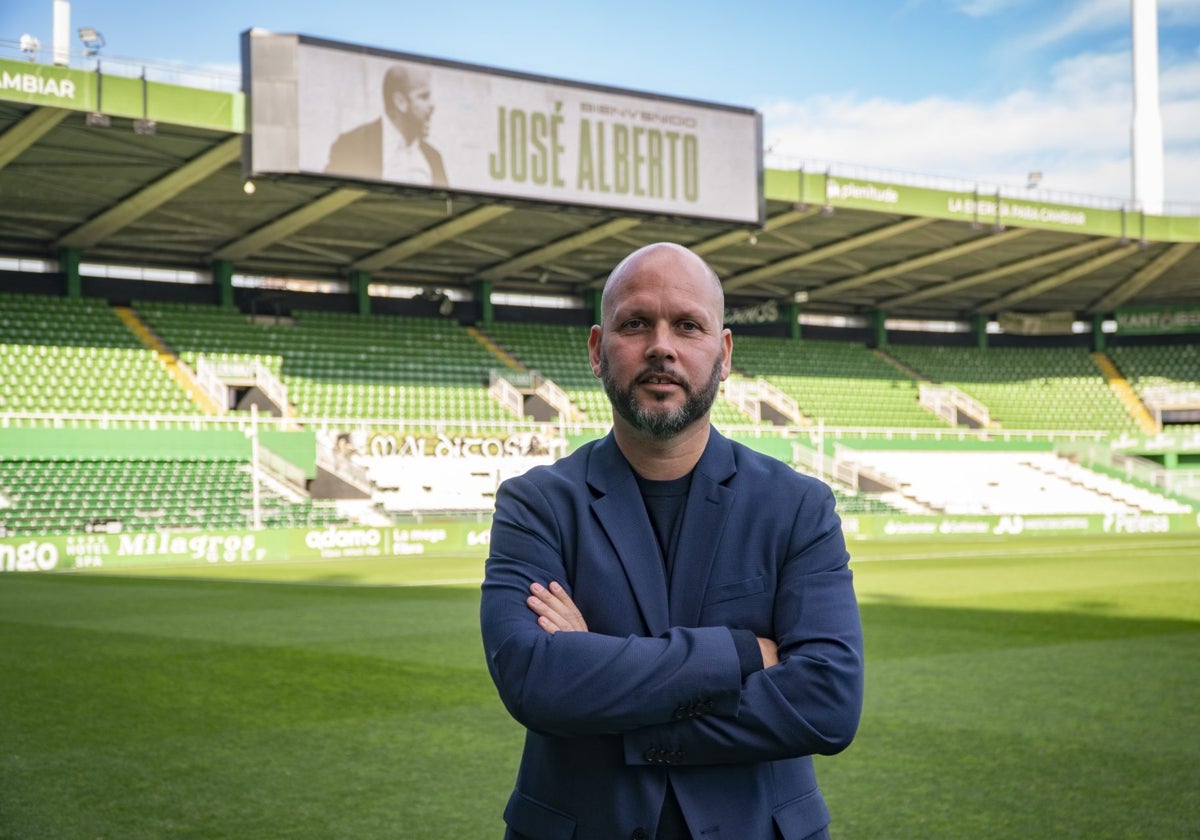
660,256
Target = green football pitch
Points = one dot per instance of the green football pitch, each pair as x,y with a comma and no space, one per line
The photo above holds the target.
1017,688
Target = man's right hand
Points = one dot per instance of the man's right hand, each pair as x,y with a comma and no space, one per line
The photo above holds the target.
770,652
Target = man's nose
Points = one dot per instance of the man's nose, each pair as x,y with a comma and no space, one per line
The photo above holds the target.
661,345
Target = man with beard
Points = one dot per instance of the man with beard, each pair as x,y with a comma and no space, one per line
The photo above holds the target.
669,614
395,146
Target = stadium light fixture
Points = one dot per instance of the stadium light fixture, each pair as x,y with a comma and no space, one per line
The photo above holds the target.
248,187
1033,179
92,40
30,45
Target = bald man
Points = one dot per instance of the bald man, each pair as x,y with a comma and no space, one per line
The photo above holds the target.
669,614
394,147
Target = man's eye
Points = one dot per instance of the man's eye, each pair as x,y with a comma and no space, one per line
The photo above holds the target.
689,326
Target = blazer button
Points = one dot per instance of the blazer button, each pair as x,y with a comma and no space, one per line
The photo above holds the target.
640,834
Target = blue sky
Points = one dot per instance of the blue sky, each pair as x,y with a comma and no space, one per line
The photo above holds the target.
980,90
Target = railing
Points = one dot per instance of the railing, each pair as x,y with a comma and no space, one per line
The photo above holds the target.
505,393
250,373
748,397
850,472
1184,483
343,467
554,396
948,402
985,190
210,382
167,72
743,395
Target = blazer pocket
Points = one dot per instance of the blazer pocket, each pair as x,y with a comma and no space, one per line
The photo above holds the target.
737,589
530,818
802,817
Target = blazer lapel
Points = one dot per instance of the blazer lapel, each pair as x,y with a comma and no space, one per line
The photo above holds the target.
622,515
709,503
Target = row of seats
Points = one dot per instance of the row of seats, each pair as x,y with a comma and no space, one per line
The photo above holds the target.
1027,387
839,383
66,495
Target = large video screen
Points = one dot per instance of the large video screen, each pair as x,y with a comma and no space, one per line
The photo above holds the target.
323,108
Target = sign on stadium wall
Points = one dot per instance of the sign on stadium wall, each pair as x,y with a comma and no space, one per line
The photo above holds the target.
433,536
324,108
80,90
448,535
1156,320
863,194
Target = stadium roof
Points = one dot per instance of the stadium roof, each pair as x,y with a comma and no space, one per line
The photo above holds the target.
840,245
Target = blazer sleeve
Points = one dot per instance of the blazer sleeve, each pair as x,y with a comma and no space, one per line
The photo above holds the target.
573,683
809,703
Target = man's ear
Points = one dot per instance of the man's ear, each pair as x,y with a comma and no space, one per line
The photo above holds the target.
594,349
727,351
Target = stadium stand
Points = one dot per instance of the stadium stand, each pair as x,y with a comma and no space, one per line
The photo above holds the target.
1162,373
837,382
560,353
75,355
1005,483
1046,388
336,365
114,495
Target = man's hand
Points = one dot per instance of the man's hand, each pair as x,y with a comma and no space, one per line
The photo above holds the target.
770,652
555,609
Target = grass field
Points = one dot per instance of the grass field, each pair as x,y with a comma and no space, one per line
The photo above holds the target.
1015,689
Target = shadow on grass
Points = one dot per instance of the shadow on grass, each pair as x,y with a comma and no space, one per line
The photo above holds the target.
150,708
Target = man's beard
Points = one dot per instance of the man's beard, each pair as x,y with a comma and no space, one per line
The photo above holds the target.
659,424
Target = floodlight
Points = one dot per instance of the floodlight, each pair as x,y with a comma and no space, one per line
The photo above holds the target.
30,46
92,40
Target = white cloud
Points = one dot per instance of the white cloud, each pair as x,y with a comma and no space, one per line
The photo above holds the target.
1076,132
1085,16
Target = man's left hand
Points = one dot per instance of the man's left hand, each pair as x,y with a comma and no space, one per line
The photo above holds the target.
555,609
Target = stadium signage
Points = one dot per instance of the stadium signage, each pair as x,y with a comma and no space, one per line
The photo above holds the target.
1157,320
766,312
30,556
985,209
321,108
37,84
444,446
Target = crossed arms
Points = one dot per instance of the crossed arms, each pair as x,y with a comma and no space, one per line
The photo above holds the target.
566,662
557,612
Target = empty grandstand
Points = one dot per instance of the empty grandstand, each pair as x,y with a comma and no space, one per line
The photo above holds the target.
217,339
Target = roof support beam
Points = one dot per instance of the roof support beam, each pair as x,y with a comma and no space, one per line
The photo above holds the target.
558,248
737,237
996,273
428,238
277,229
916,263
32,127
818,254
1143,277
1060,279
153,195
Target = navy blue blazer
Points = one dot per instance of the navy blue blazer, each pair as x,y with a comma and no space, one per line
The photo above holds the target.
654,690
